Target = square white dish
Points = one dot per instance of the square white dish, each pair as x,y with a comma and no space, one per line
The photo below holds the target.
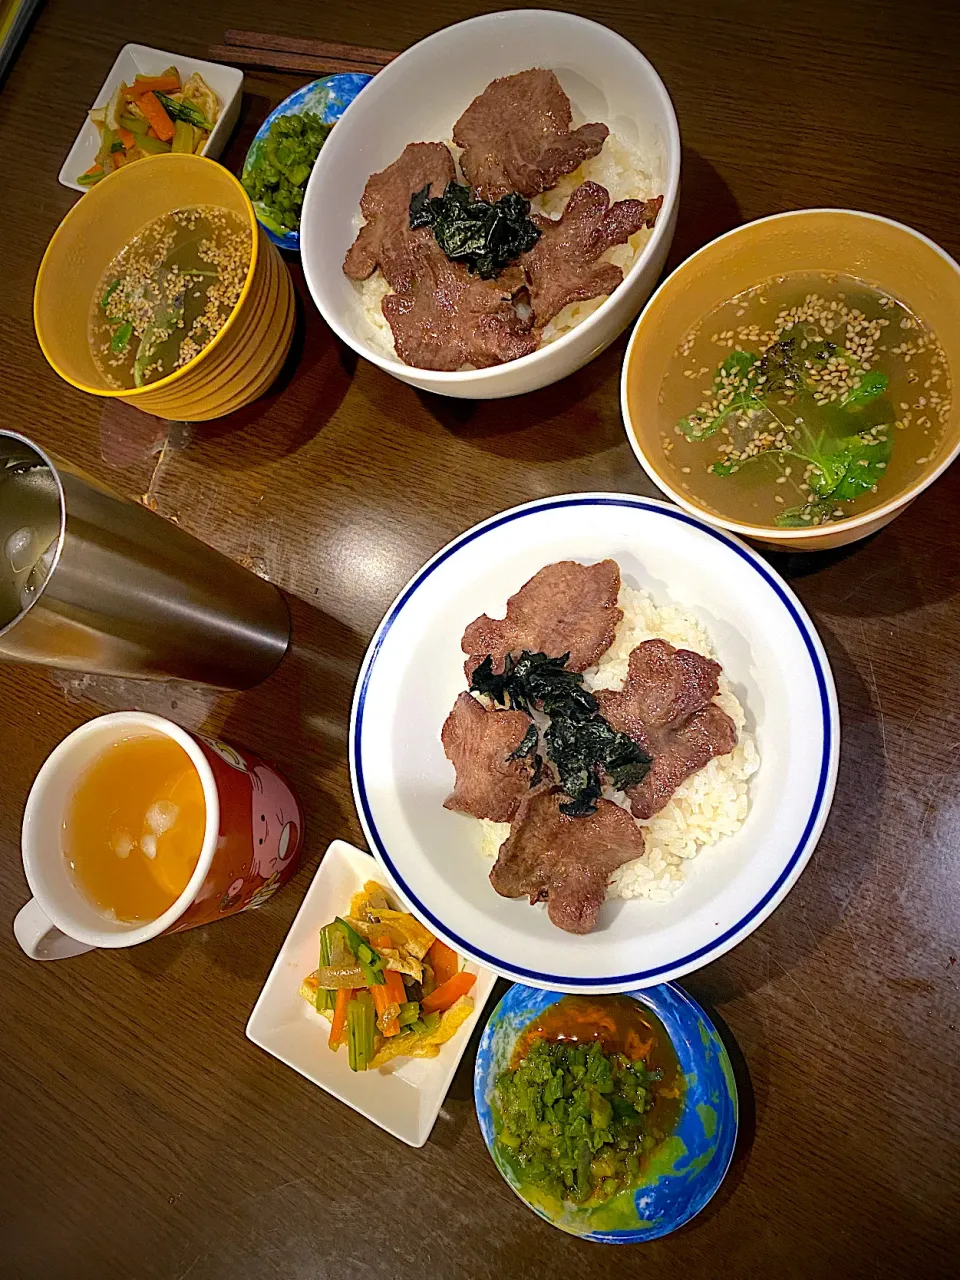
141,59
403,1097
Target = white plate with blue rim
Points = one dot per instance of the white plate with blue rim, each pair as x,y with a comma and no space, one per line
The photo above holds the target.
413,671
327,98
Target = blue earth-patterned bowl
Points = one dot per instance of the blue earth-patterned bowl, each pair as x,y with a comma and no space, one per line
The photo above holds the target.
328,98
683,1172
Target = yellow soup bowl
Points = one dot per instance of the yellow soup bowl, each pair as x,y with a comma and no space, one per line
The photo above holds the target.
886,254
243,359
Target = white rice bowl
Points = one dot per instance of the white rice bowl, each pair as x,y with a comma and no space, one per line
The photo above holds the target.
708,806
619,167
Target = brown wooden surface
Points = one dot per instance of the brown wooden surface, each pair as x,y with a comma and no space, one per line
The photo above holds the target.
142,1134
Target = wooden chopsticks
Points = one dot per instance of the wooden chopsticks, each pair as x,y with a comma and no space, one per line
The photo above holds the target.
297,53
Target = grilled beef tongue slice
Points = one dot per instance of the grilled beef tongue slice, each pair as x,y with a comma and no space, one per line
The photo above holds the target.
565,608
491,781
565,861
385,240
443,317
564,265
516,136
666,705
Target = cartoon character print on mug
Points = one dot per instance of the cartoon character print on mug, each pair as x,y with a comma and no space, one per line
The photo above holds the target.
261,833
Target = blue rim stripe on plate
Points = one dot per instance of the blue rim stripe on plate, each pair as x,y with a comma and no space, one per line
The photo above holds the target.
360,791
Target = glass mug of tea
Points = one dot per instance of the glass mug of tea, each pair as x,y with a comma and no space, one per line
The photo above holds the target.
136,827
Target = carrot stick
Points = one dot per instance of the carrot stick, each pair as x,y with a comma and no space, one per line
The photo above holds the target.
126,137
339,1025
150,84
449,993
382,1002
153,112
393,986
96,167
151,132
444,961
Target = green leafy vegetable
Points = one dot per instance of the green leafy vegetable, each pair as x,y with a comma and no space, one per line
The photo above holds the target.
409,1013
370,961
280,164
584,748
121,338
184,111
155,335
843,459
361,1024
741,367
485,237
325,999
805,516
866,461
111,290
871,386
569,1119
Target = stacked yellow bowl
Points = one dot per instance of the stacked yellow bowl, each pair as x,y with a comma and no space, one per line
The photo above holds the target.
245,356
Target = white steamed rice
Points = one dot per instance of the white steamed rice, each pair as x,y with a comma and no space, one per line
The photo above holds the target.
708,806
619,167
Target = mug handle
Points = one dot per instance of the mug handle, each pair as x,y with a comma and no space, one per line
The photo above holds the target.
41,939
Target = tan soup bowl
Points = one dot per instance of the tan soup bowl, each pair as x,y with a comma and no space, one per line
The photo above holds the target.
886,254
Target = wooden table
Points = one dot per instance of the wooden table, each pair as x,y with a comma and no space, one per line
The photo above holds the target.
143,1136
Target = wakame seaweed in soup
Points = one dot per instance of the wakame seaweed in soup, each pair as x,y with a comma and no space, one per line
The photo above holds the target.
168,293
809,398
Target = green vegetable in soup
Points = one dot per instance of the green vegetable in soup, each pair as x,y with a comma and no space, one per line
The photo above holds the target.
167,293
741,369
121,339
570,1119
165,323
781,415
110,291
280,166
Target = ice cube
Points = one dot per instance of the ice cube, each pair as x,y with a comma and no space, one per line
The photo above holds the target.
148,843
122,844
20,549
162,816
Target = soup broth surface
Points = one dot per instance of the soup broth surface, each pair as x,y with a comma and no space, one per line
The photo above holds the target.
168,293
809,398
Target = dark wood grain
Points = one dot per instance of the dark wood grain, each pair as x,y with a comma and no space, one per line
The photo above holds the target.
309,45
278,60
143,1136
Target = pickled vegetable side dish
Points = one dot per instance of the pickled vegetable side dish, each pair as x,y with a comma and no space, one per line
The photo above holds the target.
388,987
593,1088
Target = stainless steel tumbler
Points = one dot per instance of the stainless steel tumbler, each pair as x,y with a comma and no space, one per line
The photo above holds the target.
95,582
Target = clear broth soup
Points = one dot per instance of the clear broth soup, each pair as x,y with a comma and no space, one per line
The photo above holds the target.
167,294
809,398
